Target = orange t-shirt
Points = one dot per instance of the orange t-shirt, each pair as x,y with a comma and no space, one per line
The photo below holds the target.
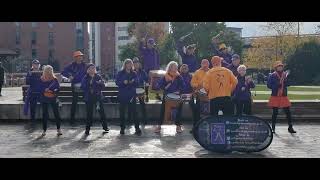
219,82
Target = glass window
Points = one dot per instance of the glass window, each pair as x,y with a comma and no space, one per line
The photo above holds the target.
18,37
51,41
34,38
34,24
34,53
123,38
50,24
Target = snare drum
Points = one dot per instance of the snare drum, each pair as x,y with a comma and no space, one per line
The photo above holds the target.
140,92
155,76
77,87
172,101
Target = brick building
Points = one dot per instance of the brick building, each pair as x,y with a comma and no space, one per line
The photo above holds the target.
50,42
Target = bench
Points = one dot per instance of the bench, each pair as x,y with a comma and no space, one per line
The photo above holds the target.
110,92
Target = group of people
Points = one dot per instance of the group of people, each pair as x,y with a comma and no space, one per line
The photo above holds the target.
223,79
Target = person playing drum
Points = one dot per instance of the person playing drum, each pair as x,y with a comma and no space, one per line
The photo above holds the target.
92,85
150,56
127,82
219,82
197,84
172,82
278,83
75,73
142,79
187,90
49,86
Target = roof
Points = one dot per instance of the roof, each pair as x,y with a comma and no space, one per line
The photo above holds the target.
4,51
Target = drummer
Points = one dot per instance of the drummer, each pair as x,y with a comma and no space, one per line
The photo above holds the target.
197,84
187,89
142,79
75,72
127,82
219,82
172,82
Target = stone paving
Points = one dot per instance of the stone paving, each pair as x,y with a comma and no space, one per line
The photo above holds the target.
18,140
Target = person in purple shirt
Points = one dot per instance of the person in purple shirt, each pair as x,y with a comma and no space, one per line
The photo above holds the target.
75,72
142,79
242,92
49,87
127,82
223,53
187,89
235,64
150,57
172,82
187,54
92,86
33,93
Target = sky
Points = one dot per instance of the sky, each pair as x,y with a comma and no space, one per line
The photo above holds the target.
254,28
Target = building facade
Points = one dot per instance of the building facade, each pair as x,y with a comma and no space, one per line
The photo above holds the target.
49,42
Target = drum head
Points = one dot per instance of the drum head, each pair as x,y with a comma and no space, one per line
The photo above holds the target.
139,91
173,96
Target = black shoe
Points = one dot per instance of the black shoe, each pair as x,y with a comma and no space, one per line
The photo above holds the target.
122,131
138,132
291,130
106,130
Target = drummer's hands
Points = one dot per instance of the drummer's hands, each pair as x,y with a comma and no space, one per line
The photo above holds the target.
71,78
168,86
132,80
125,81
47,89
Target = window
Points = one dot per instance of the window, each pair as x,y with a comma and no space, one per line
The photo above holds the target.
79,25
34,53
34,38
123,38
79,39
18,37
124,28
51,54
50,24
50,37
17,24
34,24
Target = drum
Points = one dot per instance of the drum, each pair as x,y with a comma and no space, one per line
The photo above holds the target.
77,87
172,101
186,97
204,103
140,92
155,76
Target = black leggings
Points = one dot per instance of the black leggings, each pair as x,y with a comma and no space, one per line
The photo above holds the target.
221,103
131,107
75,97
45,114
195,107
275,111
243,107
143,109
91,105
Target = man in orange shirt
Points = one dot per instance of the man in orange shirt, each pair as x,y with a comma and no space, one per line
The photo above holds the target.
197,84
219,82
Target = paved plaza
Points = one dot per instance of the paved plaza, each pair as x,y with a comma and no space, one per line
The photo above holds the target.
19,140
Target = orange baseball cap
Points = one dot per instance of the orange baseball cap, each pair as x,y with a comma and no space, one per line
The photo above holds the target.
77,53
277,63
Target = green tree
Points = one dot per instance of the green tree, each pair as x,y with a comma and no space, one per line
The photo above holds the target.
129,50
304,64
202,33
167,50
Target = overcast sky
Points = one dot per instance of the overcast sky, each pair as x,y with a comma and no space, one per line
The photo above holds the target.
254,28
